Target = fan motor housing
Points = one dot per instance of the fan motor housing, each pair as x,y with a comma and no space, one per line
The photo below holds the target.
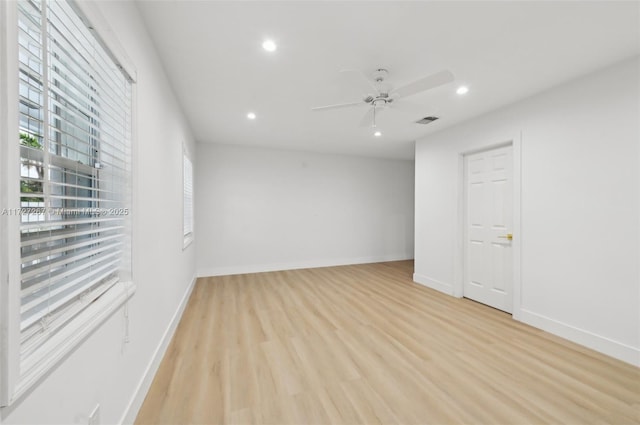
379,102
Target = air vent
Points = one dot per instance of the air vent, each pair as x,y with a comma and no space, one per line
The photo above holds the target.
426,120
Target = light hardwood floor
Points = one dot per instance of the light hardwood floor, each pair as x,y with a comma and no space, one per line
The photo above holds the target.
365,345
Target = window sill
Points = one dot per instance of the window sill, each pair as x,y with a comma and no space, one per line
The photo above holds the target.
60,346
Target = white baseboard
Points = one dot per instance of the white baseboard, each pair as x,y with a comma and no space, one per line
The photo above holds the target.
140,393
612,348
259,268
447,288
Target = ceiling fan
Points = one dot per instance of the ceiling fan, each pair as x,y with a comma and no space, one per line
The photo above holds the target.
381,95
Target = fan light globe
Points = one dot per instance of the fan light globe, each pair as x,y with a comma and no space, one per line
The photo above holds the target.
269,45
462,90
377,133
251,116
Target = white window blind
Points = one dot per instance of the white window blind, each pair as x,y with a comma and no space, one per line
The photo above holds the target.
188,199
75,138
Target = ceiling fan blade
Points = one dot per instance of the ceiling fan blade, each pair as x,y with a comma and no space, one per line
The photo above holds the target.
426,83
358,77
372,116
367,119
338,106
411,110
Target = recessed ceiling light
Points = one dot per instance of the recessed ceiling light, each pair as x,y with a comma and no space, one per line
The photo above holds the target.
269,45
377,133
251,116
462,90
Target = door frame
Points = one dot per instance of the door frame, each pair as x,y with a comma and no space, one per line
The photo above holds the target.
515,142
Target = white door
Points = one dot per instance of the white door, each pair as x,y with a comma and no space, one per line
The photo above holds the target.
488,257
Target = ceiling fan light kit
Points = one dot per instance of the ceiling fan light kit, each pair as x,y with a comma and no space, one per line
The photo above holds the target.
384,95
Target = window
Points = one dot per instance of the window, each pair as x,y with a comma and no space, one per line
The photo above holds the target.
187,179
72,224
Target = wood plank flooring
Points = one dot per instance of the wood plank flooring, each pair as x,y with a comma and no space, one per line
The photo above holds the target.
363,344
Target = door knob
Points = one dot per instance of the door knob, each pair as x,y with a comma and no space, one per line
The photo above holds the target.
507,236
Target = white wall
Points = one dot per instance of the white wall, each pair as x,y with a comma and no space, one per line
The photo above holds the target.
103,369
580,207
264,209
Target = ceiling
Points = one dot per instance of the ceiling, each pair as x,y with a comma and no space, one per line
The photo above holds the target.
503,51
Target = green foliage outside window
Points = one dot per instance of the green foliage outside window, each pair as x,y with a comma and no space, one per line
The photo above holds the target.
31,186
28,140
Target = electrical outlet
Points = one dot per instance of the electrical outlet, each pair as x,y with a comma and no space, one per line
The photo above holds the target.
94,417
